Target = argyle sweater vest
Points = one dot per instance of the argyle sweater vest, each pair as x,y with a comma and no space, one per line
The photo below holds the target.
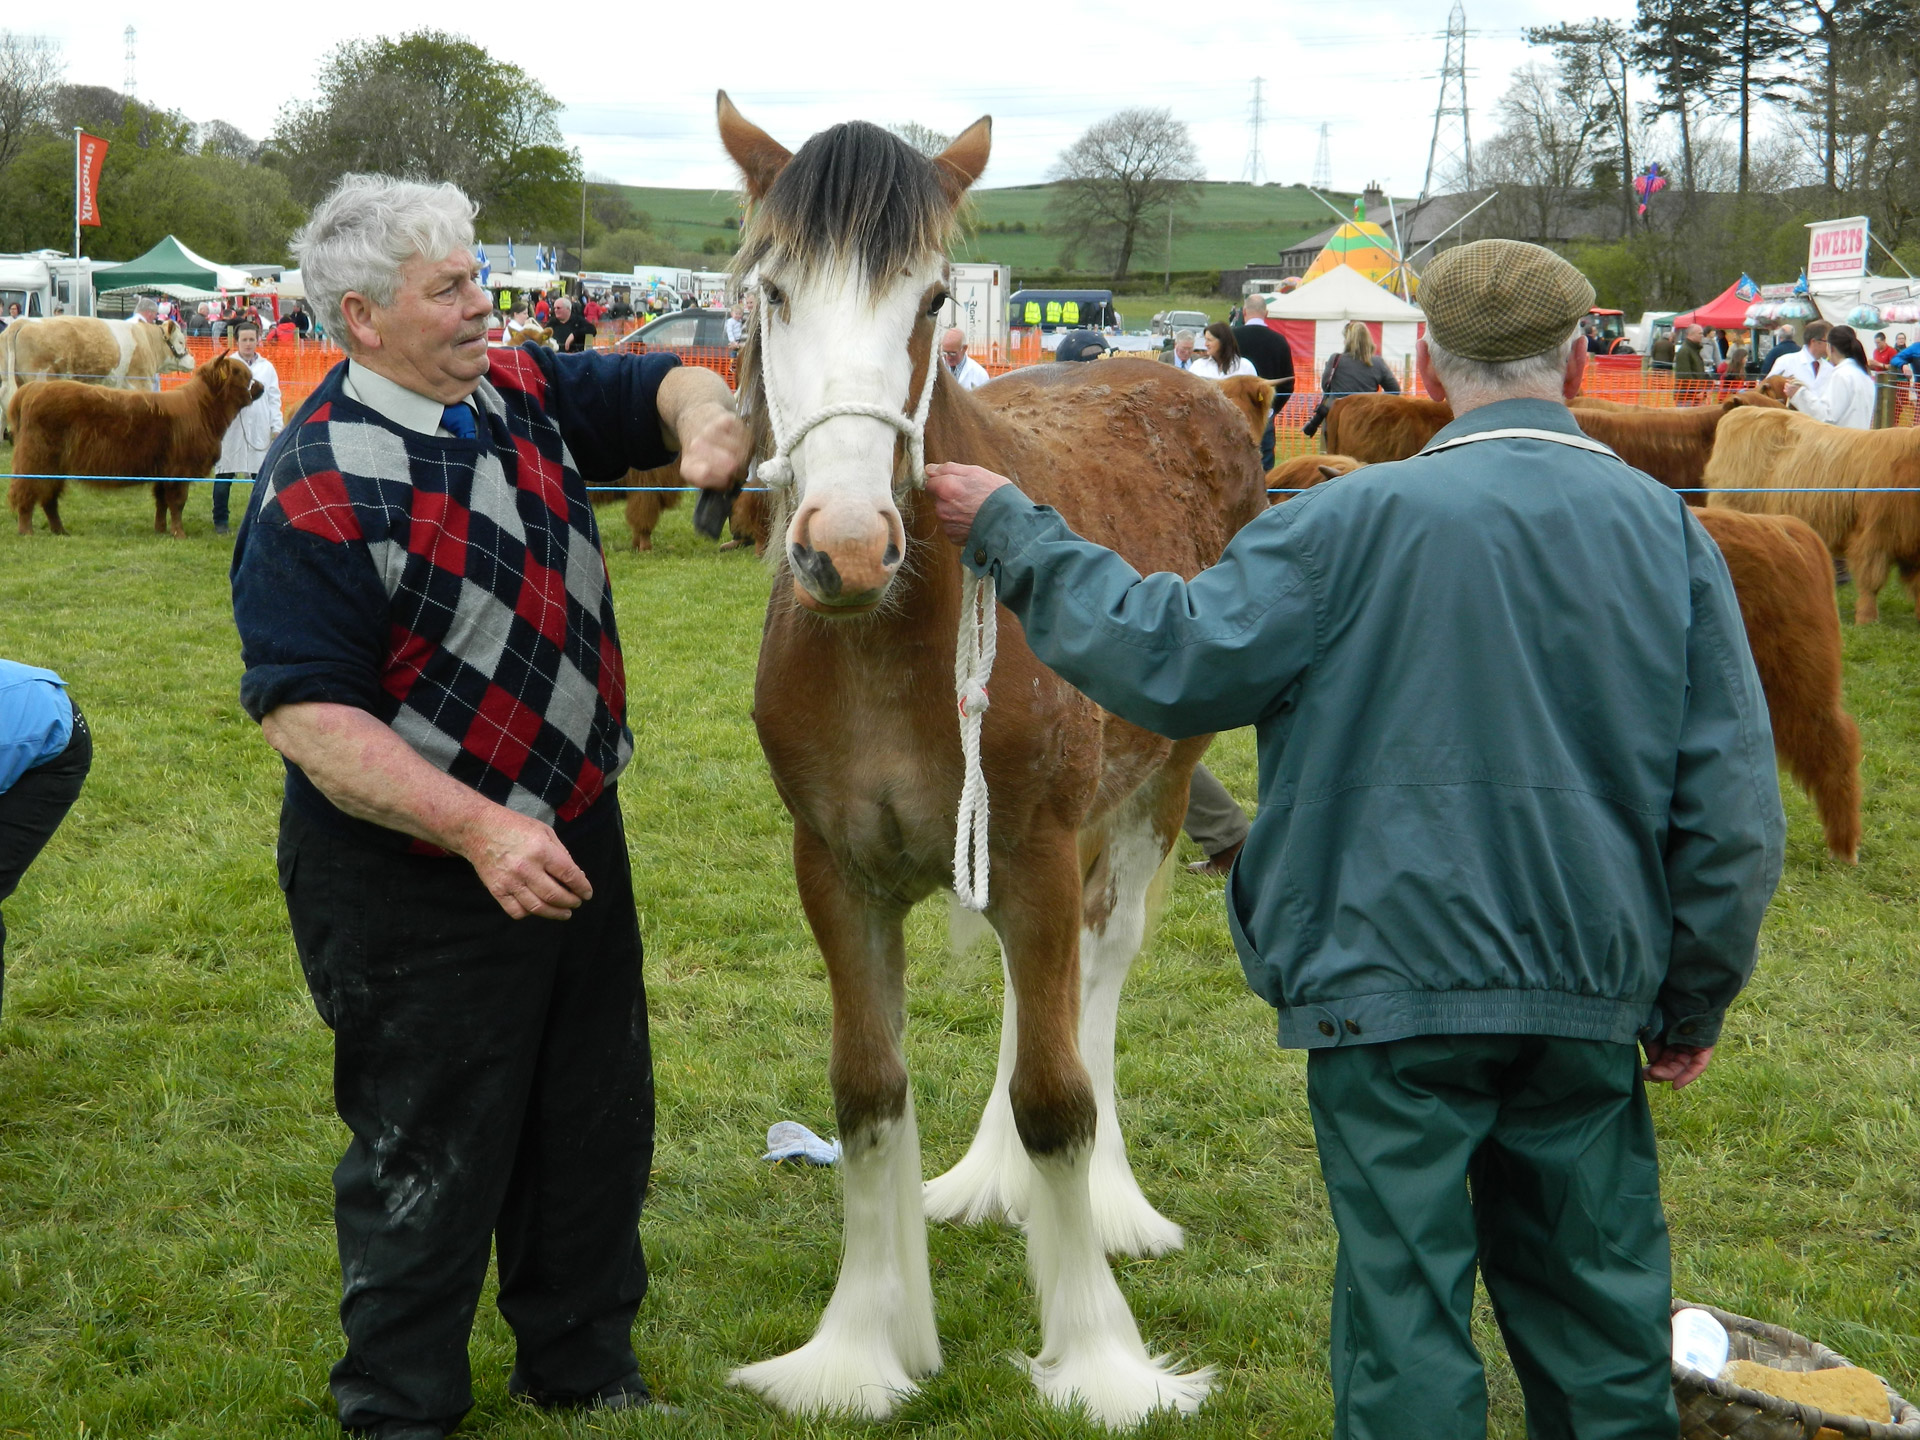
455,589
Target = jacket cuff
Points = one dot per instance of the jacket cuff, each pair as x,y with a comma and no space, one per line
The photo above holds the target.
1697,1029
1006,525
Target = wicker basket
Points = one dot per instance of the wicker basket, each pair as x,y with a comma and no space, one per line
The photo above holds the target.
1716,1410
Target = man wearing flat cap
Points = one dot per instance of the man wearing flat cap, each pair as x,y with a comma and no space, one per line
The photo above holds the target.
1518,814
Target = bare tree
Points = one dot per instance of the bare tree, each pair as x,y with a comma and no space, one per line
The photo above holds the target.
1595,61
217,137
29,74
924,138
1544,153
1129,168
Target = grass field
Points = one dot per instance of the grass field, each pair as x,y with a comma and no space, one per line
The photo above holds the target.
166,1133
1225,226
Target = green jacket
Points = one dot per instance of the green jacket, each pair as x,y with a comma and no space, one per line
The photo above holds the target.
1688,362
1516,773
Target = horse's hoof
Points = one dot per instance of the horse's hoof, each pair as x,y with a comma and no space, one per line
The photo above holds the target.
830,1376
1119,1390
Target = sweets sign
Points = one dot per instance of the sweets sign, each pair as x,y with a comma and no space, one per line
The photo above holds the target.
1837,249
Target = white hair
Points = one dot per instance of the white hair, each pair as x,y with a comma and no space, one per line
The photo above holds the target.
1483,381
368,228
1186,335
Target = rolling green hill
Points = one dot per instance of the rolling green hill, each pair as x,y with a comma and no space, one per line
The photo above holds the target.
1226,226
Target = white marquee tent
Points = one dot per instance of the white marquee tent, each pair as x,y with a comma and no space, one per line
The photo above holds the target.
1314,320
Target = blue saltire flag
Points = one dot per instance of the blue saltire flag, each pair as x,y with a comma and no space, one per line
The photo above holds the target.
1801,287
486,270
512,264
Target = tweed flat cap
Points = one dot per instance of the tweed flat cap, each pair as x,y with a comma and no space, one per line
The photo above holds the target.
1502,300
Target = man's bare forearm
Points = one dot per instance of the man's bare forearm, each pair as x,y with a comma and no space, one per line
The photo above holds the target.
688,396
368,771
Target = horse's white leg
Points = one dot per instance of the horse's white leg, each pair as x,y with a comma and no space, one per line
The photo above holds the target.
992,1179
1091,1351
877,1334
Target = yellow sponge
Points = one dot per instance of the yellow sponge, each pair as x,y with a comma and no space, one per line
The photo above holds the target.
1845,1390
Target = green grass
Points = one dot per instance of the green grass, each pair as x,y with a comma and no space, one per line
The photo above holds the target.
1225,226
166,1132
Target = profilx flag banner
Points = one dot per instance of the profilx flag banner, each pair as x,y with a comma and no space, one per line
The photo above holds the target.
93,155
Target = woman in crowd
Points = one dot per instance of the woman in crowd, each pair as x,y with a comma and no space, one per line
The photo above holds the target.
1223,359
1356,370
1846,396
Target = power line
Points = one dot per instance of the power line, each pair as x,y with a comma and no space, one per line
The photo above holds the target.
1256,116
1323,159
1450,153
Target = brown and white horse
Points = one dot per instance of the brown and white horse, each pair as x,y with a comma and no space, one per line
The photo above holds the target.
854,703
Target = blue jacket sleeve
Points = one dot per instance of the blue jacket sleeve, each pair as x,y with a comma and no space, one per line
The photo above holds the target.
1726,833
313,618
1173,656
36,720
607,408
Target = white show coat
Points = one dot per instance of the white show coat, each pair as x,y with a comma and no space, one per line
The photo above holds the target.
1208,368
1803,367
971,374
245,444
1844,397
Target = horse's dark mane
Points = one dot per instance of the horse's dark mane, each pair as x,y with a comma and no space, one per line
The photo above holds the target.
854,195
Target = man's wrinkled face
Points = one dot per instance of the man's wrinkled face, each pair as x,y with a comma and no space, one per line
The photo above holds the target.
433,337
953,351
1183,350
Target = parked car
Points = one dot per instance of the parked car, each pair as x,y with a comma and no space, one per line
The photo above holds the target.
1168,322
684,330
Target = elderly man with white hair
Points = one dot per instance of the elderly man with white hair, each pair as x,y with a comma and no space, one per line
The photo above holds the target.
968,371
429,641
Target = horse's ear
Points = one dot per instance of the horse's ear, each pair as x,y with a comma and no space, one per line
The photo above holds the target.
760,157
960,164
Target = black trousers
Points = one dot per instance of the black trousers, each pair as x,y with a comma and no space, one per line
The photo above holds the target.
497,1080
32,809
223,491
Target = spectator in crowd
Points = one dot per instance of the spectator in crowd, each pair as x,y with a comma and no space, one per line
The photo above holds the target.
1811,363
146,310
541,310
1845,395
1223,359
302,319
245,444
593,310
1882,351
1660,352
1783,344
492,1066
45,750
1483,876
1272,359
1356,370
572,333
968,371
1735,370
520,325
13,314
1906,357
1180,353
736,325
1081,345
1690,363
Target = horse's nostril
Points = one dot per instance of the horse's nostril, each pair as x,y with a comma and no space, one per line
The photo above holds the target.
891,557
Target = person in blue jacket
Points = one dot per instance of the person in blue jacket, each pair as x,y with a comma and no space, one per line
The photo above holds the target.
45,752
1518,811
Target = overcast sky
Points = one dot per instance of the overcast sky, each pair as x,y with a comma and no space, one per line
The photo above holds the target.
1044,69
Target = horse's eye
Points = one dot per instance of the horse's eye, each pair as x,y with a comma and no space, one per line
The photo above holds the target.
774,297
938,301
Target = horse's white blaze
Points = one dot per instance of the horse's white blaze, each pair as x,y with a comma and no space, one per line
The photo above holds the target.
834,342
877,1335
1091,1351
994,1179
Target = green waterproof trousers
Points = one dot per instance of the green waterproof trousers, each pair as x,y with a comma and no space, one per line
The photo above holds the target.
1532,1156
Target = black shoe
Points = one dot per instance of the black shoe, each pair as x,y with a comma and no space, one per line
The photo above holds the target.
401,1430
222,529
628,1394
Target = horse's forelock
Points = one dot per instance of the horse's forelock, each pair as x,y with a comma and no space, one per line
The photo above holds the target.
853,196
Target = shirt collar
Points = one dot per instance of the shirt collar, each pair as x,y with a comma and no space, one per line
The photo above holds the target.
1512,415
408,409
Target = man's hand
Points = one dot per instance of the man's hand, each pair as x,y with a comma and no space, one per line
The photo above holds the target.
697,418
1679,1064
523,865
958,493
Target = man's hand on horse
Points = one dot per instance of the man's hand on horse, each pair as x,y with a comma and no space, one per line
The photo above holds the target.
697,418
958,493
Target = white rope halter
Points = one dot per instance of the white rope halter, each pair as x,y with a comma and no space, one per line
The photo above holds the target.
974,647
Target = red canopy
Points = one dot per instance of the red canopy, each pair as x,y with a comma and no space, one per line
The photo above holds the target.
1727,311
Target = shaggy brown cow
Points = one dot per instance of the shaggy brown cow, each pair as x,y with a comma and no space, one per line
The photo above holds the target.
1303,472
1671,445
1253,398
658,491
1783,577
66,428
1376,428
1844,483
